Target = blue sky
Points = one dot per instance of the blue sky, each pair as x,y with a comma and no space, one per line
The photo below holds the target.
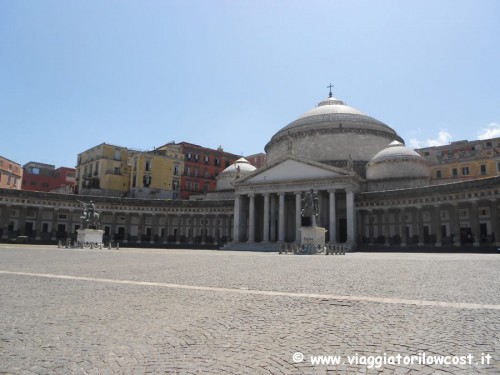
74,74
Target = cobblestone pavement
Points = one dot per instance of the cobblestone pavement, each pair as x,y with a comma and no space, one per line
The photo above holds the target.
138,311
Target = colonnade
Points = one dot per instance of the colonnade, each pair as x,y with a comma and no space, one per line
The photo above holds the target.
474,222
276,216
44,217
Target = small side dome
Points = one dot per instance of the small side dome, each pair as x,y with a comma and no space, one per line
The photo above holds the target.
226,178
397,161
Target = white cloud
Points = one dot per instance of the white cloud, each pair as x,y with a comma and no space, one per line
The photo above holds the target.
443,138
491,131
415,143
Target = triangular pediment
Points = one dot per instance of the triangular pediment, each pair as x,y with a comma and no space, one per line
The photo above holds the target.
290,168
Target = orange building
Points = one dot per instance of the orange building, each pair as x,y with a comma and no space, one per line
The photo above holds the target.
201,167
257,160
45,177
11,174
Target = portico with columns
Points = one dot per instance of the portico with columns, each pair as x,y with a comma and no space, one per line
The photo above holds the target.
268,202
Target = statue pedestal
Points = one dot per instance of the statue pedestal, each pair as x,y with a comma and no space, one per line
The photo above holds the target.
312,235
89,237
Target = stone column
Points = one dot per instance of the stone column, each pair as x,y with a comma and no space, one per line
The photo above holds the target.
167,228
55,214
127,227
251,219
281,217
332,226
38,224
236,225
370,226
112,227
474,223
495,222
455,224
216,229
179,226
402,228
204,229
22,220
266,218
350,217
420,225
273,218
397,223
154,229
298,215
5,221
437,224
386,227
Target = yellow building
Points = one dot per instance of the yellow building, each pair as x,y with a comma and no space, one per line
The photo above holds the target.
463,160
103,170
156,174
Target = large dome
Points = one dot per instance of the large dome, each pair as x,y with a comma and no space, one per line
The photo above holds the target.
397,161
332,133
227,177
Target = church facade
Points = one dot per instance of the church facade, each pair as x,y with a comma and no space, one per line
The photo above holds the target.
372,191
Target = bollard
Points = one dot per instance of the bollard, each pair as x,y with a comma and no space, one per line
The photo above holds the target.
117,246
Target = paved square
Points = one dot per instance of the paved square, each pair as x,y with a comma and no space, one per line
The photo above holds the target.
138,311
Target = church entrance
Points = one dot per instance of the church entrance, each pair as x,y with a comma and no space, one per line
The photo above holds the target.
342,230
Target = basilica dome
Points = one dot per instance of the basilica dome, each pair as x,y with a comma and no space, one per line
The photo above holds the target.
397,161
332,133
226,178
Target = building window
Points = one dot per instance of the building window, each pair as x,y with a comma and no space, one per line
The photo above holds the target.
454,172
188,156
465,171
176,169
206,188
117,154
217,162
196,172
134,180
175,185
147,181
196,157
438,174
147,166
498,166
196,186
188,171
188,185
483,169
207,160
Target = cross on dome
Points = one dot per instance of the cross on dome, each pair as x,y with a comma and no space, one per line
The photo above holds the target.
330,87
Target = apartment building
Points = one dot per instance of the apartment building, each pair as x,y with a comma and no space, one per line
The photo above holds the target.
156,174
46,177
11,174
201,167
103,170
463,160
